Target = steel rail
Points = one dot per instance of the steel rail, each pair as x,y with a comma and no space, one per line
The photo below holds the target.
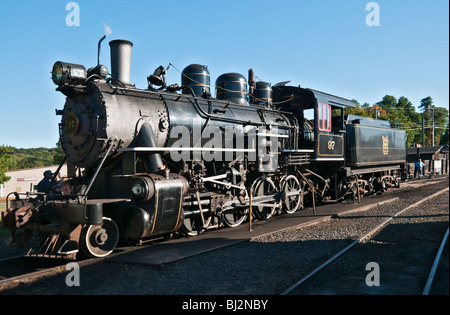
31,275
435,265
10,258
36,274
334,257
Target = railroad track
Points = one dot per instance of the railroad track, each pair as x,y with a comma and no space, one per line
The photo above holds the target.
20,269
430,280
16,269
295,286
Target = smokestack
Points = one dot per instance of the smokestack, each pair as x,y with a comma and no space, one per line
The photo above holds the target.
121,60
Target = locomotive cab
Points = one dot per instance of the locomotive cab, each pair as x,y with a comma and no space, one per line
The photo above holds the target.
322,115
329,126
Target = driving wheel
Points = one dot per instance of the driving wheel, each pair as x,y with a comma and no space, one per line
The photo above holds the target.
292,194
264,187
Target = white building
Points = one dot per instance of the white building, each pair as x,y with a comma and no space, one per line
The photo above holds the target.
24,180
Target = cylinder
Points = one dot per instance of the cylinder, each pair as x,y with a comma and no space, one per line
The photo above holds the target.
232,87
197,78
121,60
262,94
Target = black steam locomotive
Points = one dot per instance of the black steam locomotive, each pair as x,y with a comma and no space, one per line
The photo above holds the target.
171,158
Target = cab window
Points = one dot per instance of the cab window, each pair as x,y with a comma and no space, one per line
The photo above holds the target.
324,116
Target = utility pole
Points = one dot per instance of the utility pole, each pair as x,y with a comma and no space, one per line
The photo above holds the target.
423,137
433,130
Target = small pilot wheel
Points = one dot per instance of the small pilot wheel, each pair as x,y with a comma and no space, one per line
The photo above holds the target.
292,194
99,240
264,187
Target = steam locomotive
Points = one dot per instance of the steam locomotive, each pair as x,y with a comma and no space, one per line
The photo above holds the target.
174,159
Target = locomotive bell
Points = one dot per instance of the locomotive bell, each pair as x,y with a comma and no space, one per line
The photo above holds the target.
157,78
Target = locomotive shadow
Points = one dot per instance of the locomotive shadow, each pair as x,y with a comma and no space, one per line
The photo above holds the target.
162,254
174,250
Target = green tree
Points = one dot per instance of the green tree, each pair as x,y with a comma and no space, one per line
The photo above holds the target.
433,117
406,117
389,105
426,103
6,162
355,110
58,153
441,116
445,137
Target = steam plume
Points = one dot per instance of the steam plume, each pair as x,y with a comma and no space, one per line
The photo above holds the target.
108,29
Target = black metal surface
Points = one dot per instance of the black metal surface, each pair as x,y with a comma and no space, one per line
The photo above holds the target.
146,138
162,214
77,213
232,87
329,145
293,99
121,60
369,145
197,78
262,94
196,115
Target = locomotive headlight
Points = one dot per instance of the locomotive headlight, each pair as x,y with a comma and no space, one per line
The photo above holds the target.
142,189
63,73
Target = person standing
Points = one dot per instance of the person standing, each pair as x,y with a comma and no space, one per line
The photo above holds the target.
419,167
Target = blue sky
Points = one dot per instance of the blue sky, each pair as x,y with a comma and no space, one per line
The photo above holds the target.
323,44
